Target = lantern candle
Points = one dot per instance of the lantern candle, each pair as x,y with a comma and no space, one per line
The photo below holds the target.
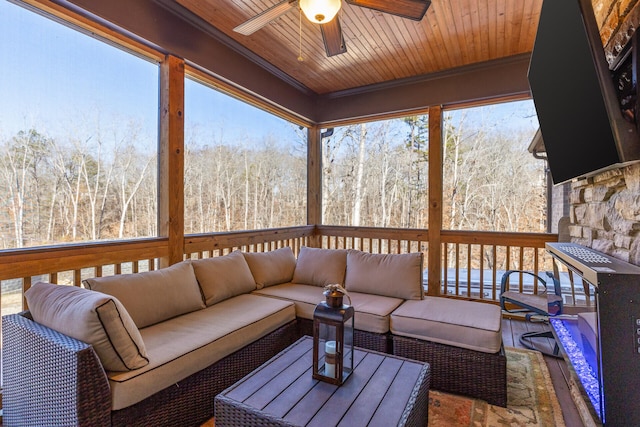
330,359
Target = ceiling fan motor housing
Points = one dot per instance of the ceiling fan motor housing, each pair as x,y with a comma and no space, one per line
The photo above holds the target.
320,11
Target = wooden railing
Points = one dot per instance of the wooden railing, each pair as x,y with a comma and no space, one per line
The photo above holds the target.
70,264
474,261
198,246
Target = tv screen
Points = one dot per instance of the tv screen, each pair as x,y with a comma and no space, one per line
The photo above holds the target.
581,121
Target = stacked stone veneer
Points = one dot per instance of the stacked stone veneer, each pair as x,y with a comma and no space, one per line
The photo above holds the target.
605,209
605,213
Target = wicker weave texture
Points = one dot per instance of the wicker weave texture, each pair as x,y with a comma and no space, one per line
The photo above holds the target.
50,379
232,413
362,339
458,370
417,413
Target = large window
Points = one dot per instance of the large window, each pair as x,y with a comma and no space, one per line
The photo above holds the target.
245,169
491,181
78,135
376,174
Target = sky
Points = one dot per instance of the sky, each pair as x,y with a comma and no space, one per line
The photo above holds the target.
54,78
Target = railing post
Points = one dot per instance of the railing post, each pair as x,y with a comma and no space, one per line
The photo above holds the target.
314,181
171,159
434,258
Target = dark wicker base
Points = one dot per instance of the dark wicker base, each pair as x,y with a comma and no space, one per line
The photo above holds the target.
47,393
458,370
191,401
362,339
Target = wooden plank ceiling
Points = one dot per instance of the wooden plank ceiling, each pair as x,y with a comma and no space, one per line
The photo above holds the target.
380,47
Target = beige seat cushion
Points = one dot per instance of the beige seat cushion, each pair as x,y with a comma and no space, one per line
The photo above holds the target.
223,277
320,267
189,343
91,317
153,296
271,268
391,275
372,311
466,324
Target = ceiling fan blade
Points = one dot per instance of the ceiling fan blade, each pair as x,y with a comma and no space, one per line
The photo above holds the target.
260,20
332,37
411,9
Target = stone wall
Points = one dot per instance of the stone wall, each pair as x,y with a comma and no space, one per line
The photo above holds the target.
605,209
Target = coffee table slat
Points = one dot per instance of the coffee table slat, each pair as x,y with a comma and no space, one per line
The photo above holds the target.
397,396
345,395
262,375
280,383
373,393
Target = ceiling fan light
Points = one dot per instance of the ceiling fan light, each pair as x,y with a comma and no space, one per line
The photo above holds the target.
320,11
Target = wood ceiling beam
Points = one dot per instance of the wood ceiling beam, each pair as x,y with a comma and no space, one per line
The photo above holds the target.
493,79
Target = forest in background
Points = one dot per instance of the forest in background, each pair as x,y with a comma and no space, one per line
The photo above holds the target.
102,186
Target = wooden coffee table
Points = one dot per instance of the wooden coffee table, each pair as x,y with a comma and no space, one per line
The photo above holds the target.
383,390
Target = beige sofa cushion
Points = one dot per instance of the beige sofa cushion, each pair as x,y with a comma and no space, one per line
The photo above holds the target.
271,268
91,317
153,296
466,324
187,344
223,277
372,311
320,267
391,275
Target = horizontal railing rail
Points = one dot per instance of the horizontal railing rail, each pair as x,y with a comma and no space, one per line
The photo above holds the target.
213,244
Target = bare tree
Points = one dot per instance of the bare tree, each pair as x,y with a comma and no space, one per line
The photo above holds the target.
20,164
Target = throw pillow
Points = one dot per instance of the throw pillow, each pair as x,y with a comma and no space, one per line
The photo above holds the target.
223,277
392,275
320,267
272,267
91,317
153,296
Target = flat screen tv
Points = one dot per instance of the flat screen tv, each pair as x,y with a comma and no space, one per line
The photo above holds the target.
578,106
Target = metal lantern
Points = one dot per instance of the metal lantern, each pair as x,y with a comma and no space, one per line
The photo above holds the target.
333,324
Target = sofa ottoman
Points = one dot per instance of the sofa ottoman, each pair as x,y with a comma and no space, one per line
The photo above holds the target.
461,340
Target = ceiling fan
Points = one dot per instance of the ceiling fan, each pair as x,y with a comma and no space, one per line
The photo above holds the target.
324,12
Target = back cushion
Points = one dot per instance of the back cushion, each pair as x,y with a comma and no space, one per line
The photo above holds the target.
223,277
391,275
271,268
320,267
91,317
153,296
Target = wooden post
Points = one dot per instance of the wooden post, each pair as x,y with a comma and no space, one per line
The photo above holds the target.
171,159
434,259
314,180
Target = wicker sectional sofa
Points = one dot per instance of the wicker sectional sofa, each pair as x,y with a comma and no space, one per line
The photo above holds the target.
155,348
